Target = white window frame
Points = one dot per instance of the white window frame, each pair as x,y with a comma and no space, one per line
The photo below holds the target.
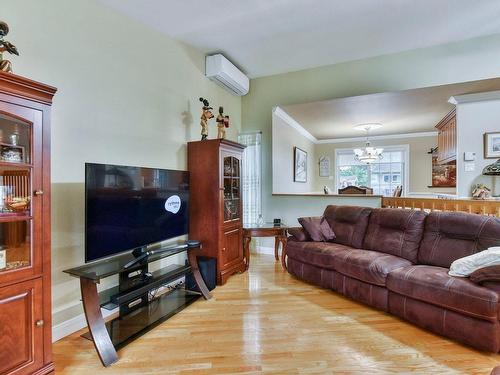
404,148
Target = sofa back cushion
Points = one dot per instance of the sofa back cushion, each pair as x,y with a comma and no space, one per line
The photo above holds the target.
395,231
452,235
348,223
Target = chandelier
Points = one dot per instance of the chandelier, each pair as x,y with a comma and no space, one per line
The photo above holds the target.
368,154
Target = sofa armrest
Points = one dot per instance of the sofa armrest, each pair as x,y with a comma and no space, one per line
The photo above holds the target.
299,234
488,277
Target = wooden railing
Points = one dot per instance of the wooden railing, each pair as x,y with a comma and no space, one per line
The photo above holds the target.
482,207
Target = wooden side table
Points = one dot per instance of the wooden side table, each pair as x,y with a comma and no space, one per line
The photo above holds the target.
265,230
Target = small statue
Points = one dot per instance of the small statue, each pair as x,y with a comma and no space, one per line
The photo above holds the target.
206,114
222,123
6,65
481,192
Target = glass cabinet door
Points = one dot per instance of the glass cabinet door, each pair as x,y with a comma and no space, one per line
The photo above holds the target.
16,216
232,185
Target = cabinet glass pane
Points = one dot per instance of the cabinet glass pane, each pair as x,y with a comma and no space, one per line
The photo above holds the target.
235,188
227,187
15,245
228,166
15,140
236,167
15,192
231,209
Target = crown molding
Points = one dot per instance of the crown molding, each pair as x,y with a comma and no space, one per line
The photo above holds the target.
25,88
476,97
293,123
378,137
289,120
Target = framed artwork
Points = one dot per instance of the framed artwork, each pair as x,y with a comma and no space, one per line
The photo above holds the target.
299,165
492,145
324,166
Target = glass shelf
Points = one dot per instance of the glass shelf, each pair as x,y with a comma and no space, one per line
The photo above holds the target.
111,266
108,298
124,329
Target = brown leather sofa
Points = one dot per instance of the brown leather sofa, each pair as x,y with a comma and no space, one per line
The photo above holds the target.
397,260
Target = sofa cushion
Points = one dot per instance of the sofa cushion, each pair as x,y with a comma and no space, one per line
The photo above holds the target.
319,254
368,266
395,231
452,235
317,228
433,285
349,223
299,234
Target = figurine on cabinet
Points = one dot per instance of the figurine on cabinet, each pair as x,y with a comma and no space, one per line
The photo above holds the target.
206,114
6,65
222,123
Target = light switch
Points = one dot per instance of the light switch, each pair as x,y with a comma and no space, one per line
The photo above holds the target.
469,156
469,167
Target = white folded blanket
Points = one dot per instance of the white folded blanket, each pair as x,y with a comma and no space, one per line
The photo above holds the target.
463,267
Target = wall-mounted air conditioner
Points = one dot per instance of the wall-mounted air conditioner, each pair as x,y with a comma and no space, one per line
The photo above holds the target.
225,74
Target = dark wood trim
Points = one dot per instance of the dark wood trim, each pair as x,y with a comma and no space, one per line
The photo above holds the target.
25,88
46,370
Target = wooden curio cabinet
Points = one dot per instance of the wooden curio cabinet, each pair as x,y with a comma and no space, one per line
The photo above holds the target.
25,300
215,203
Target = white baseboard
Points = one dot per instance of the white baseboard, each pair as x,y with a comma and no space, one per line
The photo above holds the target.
72,325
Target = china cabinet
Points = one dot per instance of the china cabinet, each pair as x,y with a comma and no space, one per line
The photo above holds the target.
25,301
216,203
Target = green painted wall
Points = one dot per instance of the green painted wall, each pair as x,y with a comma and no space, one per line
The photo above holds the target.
456,62
127,95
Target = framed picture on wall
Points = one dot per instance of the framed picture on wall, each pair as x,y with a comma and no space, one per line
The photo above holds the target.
299,165
324,166
492,145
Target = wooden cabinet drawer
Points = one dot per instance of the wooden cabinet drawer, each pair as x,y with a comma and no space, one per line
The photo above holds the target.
21,343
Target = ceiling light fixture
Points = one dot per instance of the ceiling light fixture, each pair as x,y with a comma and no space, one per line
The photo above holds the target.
368,154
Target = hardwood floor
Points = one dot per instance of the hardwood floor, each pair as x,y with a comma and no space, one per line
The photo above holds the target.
265,321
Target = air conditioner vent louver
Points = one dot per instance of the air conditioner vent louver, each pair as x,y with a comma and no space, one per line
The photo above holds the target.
225,74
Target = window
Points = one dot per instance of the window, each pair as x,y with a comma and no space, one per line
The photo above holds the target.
383,176
251,177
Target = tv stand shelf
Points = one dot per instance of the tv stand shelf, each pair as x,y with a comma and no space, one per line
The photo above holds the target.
139,309
112,298
123,330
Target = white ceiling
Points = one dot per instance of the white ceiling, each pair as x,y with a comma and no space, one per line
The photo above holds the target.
410,111
265,37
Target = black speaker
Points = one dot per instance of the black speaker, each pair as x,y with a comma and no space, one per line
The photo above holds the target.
208,270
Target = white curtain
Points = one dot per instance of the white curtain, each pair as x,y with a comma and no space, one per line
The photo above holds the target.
251,177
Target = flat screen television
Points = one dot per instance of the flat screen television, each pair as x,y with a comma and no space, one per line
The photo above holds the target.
132,207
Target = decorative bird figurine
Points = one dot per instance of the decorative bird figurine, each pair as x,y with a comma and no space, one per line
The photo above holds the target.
6,65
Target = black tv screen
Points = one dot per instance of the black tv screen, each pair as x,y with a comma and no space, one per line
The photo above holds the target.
131,207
